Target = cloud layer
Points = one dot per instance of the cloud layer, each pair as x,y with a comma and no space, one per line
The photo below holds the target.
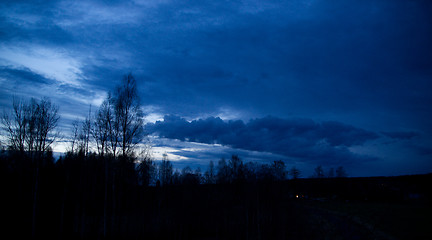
347,59
302,139
363,63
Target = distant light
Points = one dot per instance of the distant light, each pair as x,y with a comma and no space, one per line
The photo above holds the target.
296,196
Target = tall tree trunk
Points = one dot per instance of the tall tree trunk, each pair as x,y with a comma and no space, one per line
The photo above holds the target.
65,190
35,196
113,211
105,200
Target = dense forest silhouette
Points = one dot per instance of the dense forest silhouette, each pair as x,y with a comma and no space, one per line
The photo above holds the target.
108,186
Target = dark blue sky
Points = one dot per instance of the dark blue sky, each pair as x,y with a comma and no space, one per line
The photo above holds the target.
310,82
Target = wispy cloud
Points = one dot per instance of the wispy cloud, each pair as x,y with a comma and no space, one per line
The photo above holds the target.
51,63
79,13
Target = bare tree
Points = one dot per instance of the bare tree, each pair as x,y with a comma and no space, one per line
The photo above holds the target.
236,168
85,133
31,132
279,171
251,169
101,132
15,125
118,125
146,168
318,172
75,135
177,177
198,175
186,170
114,127
101,127
128,115
118,129
223,174
31,126
340,172
294,172
210,175
165,171
46,121
43,120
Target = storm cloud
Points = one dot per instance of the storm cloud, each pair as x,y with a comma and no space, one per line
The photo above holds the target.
304,139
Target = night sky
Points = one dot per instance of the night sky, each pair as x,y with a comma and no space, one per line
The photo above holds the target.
331,83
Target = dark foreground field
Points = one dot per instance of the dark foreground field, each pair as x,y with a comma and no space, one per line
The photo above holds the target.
363,208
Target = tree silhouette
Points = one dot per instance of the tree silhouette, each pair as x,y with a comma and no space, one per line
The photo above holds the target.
251,169
146,168
318,172
114,127
128,115
265,173
177,177
75,135
294,172
30,126
186,170
30,132
84,135
236,168
198,175
109,194
165,171
279,172
210,175
101,127
223,173
16,125
340,172
189,177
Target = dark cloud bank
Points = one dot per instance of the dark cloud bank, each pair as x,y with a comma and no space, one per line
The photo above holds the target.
366,63
401,135
302,139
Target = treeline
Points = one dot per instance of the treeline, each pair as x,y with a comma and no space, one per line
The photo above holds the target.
99,188
89,196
